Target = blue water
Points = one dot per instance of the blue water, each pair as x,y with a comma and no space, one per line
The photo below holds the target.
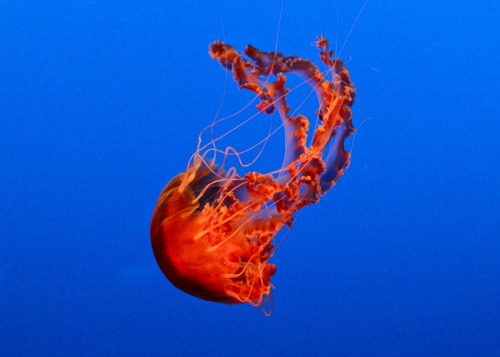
101,103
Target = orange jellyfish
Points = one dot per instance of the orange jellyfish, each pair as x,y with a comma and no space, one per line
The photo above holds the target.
213,231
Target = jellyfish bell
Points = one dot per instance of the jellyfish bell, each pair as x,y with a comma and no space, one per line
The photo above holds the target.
213,231
202,246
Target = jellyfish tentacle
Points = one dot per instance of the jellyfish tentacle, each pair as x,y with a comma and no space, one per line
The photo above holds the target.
213,231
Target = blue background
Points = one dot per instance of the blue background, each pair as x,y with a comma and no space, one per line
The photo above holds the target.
101,103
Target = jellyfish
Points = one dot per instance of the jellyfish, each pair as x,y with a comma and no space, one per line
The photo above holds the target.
213,231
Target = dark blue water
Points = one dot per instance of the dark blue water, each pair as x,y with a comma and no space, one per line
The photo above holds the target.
101,104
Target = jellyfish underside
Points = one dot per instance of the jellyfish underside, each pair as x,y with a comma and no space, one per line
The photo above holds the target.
212,230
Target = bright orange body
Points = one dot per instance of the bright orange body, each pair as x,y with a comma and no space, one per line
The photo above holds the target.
212,261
